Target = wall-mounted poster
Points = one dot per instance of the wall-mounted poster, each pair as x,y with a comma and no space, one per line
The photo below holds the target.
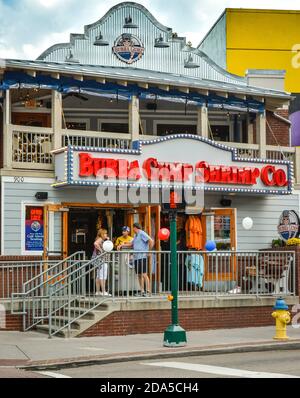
34,229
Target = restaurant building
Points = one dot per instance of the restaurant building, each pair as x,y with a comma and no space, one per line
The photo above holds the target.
131,96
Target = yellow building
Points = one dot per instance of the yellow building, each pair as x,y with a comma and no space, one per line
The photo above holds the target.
252,40
245,39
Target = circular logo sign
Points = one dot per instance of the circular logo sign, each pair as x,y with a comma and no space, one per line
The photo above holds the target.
128,48
36,226
289,225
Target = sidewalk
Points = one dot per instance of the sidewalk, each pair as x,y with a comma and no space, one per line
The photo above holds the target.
37,351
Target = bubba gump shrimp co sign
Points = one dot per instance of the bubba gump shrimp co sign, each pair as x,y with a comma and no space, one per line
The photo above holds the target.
178,161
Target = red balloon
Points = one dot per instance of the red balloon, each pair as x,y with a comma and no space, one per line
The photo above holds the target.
164,234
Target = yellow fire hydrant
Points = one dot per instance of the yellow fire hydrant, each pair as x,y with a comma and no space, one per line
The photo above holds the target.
283,318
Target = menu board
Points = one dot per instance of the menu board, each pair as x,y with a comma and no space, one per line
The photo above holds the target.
34,229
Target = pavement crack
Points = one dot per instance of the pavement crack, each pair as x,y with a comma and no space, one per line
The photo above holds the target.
23,352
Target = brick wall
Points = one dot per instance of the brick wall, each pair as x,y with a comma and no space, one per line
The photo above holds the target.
143,322
280,128
13,323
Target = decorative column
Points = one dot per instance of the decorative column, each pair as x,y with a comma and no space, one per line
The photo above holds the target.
57,112
202,121
7,132
250,132
261,134
134,118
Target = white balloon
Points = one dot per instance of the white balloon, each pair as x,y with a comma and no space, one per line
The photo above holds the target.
108,246
247,223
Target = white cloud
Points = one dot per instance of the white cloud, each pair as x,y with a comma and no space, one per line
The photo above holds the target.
28,27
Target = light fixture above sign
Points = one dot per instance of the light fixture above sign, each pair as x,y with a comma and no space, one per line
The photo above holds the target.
190,64
129,24
161,43
100,41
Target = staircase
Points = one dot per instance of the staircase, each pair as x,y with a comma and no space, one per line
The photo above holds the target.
84,319
62,300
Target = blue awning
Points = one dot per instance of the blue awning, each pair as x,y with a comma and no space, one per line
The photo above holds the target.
19,80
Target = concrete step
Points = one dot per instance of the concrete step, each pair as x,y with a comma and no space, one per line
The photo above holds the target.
80,311
84,322
63,333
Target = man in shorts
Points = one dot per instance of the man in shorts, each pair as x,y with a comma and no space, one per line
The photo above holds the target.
141,244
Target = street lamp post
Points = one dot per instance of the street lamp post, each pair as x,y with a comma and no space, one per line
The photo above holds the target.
175,335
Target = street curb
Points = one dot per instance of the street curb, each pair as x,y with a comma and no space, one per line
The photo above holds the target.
182,353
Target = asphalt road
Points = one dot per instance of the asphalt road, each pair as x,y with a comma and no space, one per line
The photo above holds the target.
277,364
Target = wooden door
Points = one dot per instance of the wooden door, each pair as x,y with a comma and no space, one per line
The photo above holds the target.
63,214
220,226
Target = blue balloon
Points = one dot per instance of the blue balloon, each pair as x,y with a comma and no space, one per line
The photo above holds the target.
210,246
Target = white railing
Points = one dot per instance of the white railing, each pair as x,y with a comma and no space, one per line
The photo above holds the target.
96,139
31,147
246,151
281,153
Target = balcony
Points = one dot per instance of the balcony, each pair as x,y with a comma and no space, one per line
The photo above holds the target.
32,146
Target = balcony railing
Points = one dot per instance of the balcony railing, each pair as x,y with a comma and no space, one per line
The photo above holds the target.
32,146
96,140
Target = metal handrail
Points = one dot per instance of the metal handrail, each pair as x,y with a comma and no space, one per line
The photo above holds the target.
49,270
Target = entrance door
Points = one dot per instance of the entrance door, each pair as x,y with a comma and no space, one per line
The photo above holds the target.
56,231
220,226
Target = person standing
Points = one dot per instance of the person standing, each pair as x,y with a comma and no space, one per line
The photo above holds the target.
141,244
125,238
102,270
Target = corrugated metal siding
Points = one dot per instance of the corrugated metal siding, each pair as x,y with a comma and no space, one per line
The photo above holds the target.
214,44
265,212
169,60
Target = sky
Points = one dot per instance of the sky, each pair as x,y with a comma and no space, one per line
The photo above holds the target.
28,27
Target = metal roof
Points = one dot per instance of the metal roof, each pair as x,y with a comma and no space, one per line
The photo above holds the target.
145,76
167,60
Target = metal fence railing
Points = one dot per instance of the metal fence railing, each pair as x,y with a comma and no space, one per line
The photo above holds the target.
14,274
76,287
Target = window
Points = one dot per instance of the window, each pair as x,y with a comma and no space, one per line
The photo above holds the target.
221,133
121,128
172,129
78,124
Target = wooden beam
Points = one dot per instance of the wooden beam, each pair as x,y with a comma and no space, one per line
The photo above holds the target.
184,90
260,99
122,83
240,96
31,73
203,92
144,85
101,80
55,76
78,77
222,94
164,87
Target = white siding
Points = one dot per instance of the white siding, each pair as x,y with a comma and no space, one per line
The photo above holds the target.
265,211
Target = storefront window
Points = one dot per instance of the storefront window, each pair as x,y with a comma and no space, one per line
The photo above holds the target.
34,229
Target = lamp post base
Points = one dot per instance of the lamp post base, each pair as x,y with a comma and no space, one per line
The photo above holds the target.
175,336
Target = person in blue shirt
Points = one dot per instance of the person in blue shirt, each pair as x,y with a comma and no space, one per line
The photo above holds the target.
141,244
